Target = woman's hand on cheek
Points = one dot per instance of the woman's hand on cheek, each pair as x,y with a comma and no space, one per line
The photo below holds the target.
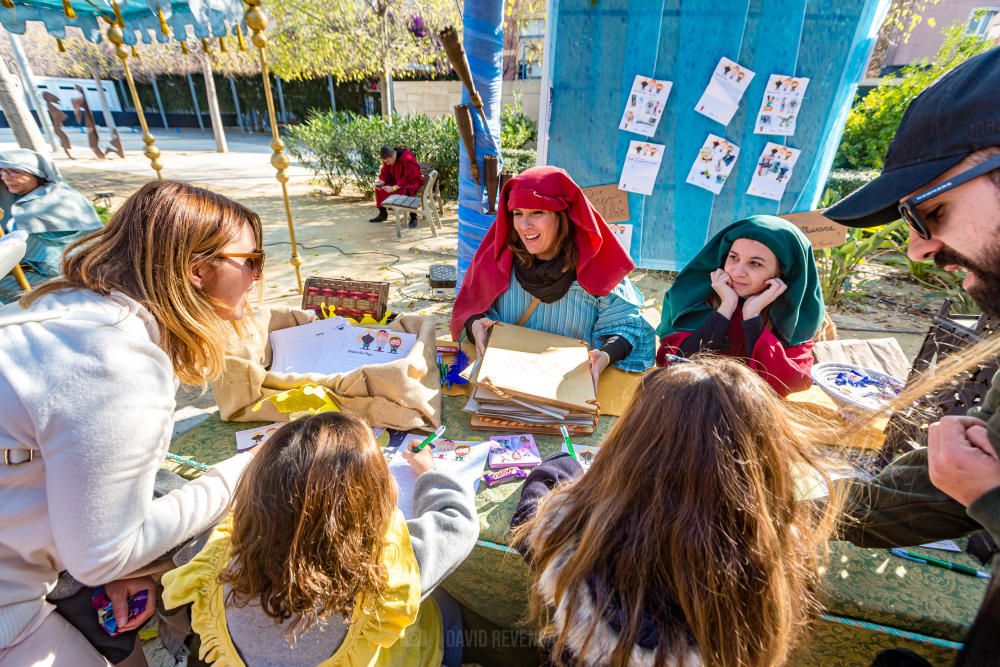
758,302
599,360
722,284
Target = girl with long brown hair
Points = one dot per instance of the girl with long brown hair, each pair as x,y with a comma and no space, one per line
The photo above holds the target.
317,566
686,542
89,364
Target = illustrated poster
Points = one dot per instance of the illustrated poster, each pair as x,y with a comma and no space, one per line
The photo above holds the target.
714,163
644,106
642,164
722,97
773,171
584,453
781,105
624,235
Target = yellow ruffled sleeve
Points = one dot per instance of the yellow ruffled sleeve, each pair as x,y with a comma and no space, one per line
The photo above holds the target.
196,584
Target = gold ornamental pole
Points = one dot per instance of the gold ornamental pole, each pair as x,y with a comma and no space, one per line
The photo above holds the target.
257,22
117,37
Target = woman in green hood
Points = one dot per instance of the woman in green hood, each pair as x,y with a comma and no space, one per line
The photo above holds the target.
752,292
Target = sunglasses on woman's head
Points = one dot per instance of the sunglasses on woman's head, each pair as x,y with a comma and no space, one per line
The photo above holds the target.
254,261
908,208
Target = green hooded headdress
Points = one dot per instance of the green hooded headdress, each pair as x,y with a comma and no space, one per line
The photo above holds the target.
795,316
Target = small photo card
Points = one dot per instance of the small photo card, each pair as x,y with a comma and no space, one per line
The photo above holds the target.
773,171
714,163
722,97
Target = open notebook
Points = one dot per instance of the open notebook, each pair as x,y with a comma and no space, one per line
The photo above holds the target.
533,381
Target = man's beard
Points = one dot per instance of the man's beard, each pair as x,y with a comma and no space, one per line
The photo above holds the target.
986,291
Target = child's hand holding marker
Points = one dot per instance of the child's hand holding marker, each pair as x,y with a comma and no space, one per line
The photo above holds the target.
419,456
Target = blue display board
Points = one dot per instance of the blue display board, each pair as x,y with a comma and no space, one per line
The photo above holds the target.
599,46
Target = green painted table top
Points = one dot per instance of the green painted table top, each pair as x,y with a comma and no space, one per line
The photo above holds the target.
869,584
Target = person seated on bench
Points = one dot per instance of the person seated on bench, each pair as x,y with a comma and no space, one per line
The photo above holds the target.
35,198
752,292
400,175
549,262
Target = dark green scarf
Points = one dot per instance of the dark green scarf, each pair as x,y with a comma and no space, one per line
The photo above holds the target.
795,316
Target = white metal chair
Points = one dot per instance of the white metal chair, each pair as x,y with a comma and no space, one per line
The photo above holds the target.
423,204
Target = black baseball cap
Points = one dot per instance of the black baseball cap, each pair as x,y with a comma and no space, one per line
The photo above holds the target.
957,115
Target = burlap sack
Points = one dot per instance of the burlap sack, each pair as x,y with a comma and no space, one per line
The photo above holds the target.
403,394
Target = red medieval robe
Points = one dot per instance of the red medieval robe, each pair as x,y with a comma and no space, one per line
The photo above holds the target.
404,172
785,368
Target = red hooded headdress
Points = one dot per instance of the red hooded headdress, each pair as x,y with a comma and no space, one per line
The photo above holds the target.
601,260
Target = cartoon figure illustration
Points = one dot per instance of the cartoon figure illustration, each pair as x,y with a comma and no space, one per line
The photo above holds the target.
785,121
643,84
461,452
587,458
367,340
782,172
659,87
638,149
777,84
740,75
705,154
394,344
726,70
794,84
381,339
769,103
633,101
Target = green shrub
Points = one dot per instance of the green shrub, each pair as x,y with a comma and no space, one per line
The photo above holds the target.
838,267
516,129
343,148
843,182
873,120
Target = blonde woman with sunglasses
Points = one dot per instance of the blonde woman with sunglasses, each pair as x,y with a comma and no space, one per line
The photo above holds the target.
89,366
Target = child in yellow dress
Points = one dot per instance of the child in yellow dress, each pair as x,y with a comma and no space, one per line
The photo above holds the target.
316,565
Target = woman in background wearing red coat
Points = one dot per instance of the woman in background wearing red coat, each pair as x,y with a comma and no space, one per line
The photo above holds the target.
400,175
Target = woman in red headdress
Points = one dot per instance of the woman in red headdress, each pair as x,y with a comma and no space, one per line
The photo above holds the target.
550,263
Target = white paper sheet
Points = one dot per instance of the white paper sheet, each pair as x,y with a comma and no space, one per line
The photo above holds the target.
334,346
624,235
463,460
780,105
714,163
773,171
584,454
255,436
644,106
722,96
642,164
943,545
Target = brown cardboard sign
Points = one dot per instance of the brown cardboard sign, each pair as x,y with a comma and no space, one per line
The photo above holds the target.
609,201
821,231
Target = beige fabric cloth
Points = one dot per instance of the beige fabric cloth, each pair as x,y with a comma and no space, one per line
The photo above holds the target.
879,354
403,394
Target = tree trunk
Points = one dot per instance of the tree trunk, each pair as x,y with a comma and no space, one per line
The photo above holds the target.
388,100
26,131
213,107
197,107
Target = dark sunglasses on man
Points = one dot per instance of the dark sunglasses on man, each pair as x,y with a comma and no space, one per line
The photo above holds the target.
908,207
254,261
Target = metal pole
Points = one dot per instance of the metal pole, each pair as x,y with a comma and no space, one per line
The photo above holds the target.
26,131
257,22
159,102
333,100
117,37
31,87
281,99
194,98
236,103
122,93
109,120
213,106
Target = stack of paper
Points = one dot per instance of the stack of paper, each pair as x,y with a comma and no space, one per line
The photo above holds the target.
334,346
533,381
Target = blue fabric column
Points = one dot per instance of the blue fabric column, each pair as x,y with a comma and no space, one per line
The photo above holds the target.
482,34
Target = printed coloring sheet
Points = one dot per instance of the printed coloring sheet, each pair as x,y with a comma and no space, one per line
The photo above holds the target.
461,459
645,105
334,346
642,164
252,437
714,163
773,171
722,97
781,105
584,454
624,235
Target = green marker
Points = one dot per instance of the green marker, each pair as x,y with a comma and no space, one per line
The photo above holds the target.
930,560
429,439
569,445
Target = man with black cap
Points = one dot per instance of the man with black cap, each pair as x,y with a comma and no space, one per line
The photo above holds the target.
942,175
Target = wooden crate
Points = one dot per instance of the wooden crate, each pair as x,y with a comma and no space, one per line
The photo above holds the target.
351,298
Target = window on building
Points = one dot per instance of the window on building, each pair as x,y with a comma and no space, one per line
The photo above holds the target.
979,21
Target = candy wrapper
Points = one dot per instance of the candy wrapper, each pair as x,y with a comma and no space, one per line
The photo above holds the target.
506,475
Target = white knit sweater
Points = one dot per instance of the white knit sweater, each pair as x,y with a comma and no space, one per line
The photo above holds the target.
94,394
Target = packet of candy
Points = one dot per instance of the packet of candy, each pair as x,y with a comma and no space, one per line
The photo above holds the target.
506,475
106,616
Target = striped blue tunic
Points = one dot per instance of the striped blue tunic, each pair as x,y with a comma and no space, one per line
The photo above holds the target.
591,318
